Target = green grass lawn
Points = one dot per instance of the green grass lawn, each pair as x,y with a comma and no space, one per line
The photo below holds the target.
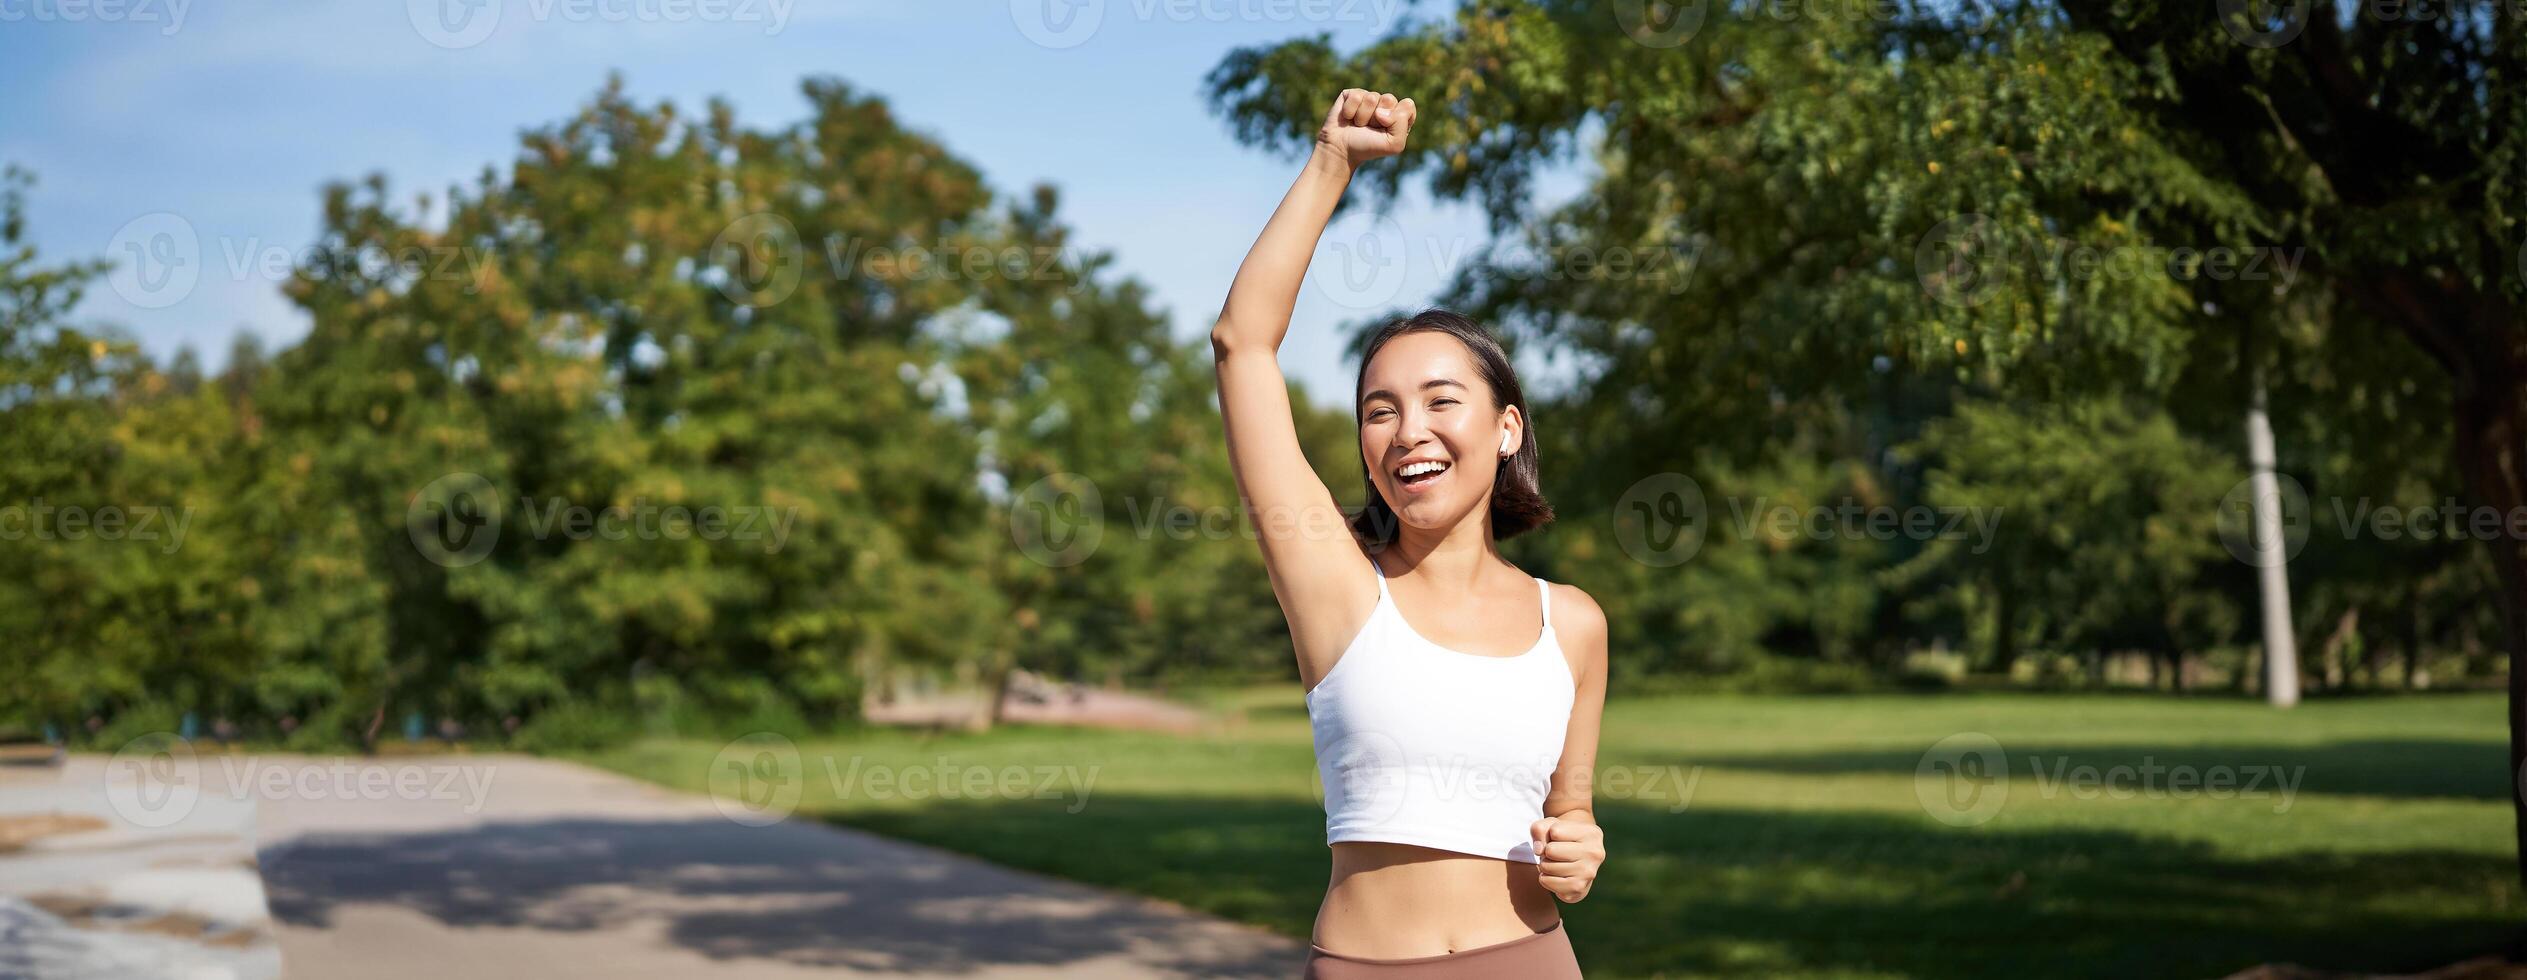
1796,836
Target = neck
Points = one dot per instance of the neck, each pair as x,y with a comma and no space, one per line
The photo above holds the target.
1453,557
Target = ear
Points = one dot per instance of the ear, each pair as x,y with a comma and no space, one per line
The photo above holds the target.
1513,430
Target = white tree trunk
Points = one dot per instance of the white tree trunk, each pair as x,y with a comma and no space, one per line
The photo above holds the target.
2281,646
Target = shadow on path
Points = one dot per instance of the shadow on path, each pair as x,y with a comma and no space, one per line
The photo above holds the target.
800,893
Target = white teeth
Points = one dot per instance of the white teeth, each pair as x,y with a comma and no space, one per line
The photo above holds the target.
1418,469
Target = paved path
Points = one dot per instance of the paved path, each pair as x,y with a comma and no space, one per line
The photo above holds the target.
489,867
113,876
567,871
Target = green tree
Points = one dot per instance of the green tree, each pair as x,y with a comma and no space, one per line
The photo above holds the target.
1915,181
484,485
119,582
2101,528
52,434
832,326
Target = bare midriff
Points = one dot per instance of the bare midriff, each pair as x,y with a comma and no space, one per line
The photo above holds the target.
1392,901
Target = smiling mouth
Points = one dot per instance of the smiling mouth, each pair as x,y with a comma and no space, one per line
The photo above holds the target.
1418,475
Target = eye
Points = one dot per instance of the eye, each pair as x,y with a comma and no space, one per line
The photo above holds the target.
1378,413
1442,402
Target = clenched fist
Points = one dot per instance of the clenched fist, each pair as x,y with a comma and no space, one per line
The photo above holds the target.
1569,850
1364,126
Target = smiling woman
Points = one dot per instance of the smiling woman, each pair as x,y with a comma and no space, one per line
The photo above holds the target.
1517,501
1456,766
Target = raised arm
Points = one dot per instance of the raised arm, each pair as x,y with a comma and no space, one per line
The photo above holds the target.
1325,587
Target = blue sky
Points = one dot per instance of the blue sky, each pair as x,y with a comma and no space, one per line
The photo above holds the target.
231,116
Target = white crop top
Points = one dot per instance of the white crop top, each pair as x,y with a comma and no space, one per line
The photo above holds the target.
1420,744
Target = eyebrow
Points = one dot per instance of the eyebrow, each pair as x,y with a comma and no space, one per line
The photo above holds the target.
1425,386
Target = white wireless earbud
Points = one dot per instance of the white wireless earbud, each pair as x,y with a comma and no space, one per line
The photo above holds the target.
1507,441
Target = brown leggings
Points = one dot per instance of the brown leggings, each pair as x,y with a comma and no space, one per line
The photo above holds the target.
1545,955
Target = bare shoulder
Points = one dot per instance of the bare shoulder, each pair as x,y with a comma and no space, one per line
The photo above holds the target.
1581,623
1576,612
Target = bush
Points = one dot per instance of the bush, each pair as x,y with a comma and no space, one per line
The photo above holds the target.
134,722
576,726
1764,674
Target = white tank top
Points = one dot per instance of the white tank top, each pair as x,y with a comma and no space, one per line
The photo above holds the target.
1420,744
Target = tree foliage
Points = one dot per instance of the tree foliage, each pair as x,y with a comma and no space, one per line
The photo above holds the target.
668,413
1939,192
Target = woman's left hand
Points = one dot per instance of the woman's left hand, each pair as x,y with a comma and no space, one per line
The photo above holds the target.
1570,847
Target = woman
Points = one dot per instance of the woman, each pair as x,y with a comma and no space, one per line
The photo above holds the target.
1455,700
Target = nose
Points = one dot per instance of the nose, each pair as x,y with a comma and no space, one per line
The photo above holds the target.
1411,430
